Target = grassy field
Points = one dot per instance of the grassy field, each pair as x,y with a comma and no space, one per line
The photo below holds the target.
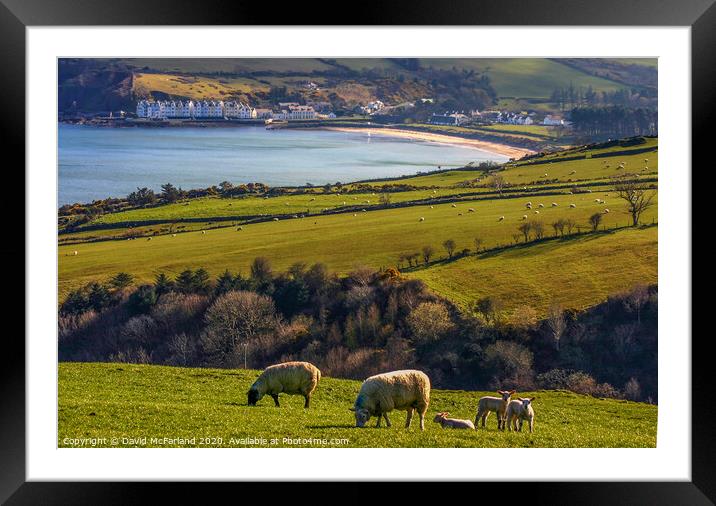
134,401
577,272
343,241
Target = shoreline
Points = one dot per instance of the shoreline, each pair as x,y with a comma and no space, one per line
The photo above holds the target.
492,147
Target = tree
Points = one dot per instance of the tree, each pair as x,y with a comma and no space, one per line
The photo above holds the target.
162,284
498,183
449,246
185,281
525,228
261,271
489,307
121,280
595,220
233,320
428,252
141,197
479,241
558,227
224,283
538,228
637,197
636,299
384,198
556,323
202,283
429,322
170,193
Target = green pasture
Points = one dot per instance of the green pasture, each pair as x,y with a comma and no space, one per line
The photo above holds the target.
117,401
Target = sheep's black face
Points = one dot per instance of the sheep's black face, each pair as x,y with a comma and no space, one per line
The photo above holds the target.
253,397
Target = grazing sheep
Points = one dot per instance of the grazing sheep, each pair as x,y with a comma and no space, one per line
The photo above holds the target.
501,218
422,219
545,175
239,229
606,211
459,214
312,199
203,231
380,394
572,205
573,172
524,216
452,423
529,204
520,410
174,235
275,219
536,212
554,204
354,214
149,238
497,404
74,252
471,210
540,205
293,378
431,207
453,205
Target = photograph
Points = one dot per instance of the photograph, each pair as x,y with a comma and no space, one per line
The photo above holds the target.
325,252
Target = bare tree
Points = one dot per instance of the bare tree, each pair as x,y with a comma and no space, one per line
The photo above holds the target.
498,183
428,252
478,244
636,299
637,196
538,228
570,224
558,227
525,228
595,220
449,246
556,323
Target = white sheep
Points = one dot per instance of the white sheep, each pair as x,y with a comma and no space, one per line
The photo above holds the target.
203,231
554,204
519,411
380,394
524,216
174,235
572,205
74,252
471,210
501,218
453,205
275,219
606,211
452,423
431,207
422,219
293,378
497,404
536,212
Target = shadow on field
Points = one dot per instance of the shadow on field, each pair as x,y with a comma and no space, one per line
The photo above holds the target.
344,426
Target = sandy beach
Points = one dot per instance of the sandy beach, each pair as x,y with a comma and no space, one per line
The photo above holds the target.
500,149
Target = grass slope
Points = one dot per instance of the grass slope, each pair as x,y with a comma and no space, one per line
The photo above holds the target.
577,272
131,401
344,241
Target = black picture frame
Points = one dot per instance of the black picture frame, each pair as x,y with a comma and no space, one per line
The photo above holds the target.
16,15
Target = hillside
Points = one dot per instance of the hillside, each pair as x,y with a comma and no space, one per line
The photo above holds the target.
129,401
510,82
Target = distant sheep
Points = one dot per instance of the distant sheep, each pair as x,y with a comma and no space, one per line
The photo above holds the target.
471,210
497,404
239,229
501,218
519,411
453,205
554,204
292,378
203,231
380,394
149,238
524,216
540,205
572,205
536,212
74,252
606,211
174,235
431,207
422,219
452,423
275,219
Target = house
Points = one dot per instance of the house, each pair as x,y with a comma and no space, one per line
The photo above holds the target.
453,118
301,112
239,110
264,113
550,120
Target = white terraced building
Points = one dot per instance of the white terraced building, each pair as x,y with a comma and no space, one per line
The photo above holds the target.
163,109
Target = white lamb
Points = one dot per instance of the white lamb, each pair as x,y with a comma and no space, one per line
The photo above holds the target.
407,390
519,411
497,404
293,378
452,423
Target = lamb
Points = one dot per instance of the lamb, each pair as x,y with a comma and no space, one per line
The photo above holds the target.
496,404
293,378
452,423
407,390
520,410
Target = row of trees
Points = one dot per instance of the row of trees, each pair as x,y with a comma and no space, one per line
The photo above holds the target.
361,324
617,121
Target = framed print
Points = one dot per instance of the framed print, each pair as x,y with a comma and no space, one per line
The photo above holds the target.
383,251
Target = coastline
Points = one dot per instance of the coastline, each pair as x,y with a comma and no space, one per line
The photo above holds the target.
492,147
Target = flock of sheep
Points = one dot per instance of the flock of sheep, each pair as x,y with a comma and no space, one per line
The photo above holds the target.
407,390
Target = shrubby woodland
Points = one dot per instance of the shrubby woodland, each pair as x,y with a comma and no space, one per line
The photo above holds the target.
360,324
